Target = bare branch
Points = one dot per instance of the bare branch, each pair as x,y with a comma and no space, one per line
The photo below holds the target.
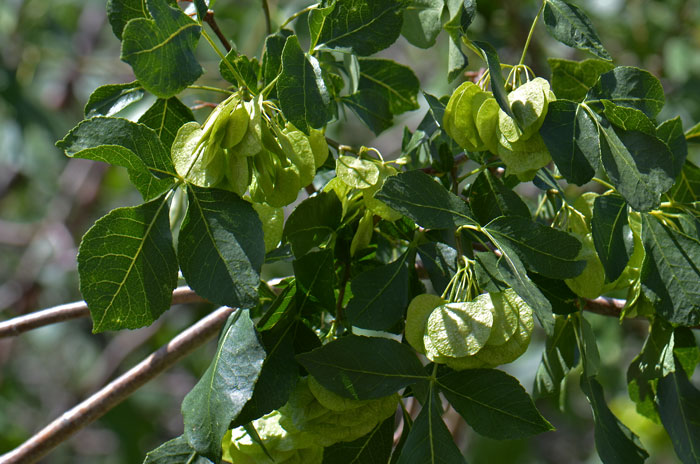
117,391
209,19
78,309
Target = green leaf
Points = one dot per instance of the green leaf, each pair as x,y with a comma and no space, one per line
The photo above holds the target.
123,143
693,134
493,403
161,50
375,447
440,262
225,387
671,273
489,198
247,68
127,266
615,443
351,367
175,451
395,82
639,165
272,58
120,12
372,108
685,350
558,358
679,408
166,116
687,186
430,441
545,250
379,296
608,226
317,19
366,26
419,197
498,84
313,223
456,60
221,247
572,139
301,90
570,26
315,278
571,80
422,22
110,99
563,300
628,86
628,118
671,132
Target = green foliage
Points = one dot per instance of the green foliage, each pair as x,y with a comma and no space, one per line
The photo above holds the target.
416,275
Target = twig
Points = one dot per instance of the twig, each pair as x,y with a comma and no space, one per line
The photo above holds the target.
117,391
266,9
605,306
78,309
209,19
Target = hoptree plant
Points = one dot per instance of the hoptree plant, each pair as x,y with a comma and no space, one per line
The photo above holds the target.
410,279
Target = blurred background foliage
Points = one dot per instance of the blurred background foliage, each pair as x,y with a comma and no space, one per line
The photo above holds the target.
54,53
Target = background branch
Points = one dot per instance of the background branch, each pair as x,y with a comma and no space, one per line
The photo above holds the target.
78,309
117,391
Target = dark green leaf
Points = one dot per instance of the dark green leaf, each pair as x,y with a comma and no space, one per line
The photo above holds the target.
545,250
315,278
128,267
670,273
396,83
363,367
693,134
498,84
560,296
221,247
460,14
440,262
572,140
373,448
687,186
166,117
430,441
493,403
110,99
175,451
590,356
558,358
272,58
488,274
608,226
671,132
628,86
419,197
628,118
302,92
679,408
366,26
639,165
379,296
202,8
686,350
313,223
247,68
615,443
456,60
161,50
225,387
489,198
317,19
120,12
372,108
422,22
572,79
570,26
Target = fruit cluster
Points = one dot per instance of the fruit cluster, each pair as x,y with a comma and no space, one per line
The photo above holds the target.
242,147
475,121
311,420
491,330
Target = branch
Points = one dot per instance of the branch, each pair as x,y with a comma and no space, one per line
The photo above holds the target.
78,309
209,19
117,391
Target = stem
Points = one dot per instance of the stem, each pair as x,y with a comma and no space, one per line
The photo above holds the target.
209,88
299,13
529,35
603,183
209,19
269,86
266,9
76,310
117,391
228,64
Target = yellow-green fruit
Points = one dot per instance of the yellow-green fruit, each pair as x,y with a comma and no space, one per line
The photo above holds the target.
319,146
251,143
458,120
506,316
363,234
524,158
588,284
238,174
236,127
378,207
457,329
529,104
286,186
272,219
188,160
357,172
487,123
298,150
417,318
